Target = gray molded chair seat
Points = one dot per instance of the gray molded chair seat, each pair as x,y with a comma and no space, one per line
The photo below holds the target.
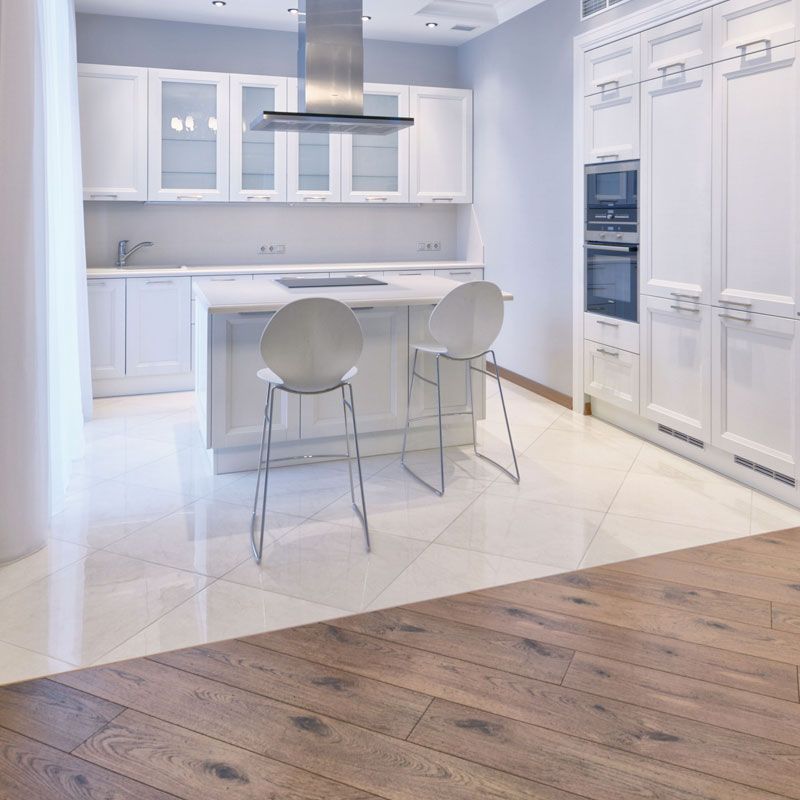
464,325
310,346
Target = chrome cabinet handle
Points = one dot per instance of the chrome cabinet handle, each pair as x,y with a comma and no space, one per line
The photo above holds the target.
683,308
684,294
607,324
466,272
608,352
735,303
666,67
314,199
190,197
364,308
442,199
730,316
376,199
602,84
223,279
743,47
107,196
148,283
614,156
258,198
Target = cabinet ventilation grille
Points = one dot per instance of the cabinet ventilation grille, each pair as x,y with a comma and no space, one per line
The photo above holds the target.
591,7
682,436
770,473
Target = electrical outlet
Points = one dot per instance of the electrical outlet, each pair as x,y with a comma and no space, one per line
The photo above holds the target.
272,250
423,247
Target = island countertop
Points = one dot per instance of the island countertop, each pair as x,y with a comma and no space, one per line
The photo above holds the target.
267,296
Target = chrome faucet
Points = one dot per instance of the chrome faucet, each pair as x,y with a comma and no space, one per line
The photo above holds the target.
123,254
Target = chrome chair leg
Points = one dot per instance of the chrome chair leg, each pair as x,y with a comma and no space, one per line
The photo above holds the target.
441,427
268,416
362,512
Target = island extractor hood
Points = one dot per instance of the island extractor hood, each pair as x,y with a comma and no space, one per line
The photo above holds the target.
330,75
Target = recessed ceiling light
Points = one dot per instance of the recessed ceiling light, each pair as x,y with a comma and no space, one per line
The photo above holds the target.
294,11
218,3
431,24
366,18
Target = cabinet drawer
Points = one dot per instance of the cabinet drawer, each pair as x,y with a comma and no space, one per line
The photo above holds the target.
612,375
409,273
221,279
742,27
612,66
462,275
614,332
677,46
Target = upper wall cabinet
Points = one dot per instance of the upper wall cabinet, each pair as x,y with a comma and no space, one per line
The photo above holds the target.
612,66
611,121
375,168
742,27
441,145
756,182
113,109
188,139
676,154
258,158
677,46
314,163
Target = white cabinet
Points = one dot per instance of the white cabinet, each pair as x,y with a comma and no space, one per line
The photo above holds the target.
677,46
314,162
461,275
258,158
611,374
611,125
756,388
158,330
107,328
756,163
441,145
375,169
188,136
676,365
675,191
743,27
618,333
380,389
113,112
612,66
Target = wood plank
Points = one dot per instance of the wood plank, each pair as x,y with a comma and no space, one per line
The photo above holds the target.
195,767
320,688
724,605
54,714
711,577
785,617
753,674
776,544
733,709
373,762
30,770
741,561
684,626
515,654
587,769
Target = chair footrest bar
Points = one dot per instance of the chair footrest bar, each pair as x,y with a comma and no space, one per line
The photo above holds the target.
446,414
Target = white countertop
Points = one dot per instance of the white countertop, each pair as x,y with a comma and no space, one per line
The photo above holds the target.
260,269
267,296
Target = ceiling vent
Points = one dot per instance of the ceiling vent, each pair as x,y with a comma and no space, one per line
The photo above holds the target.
465,11
464,28
591,7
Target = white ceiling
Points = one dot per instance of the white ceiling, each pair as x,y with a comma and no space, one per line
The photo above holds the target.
395,20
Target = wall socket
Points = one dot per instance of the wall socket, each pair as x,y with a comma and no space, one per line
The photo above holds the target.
272,249
429,246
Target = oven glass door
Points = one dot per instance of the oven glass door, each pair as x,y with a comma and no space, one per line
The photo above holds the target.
612,282
607,188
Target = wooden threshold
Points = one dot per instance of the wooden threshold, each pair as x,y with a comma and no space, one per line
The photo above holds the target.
539,388
673,676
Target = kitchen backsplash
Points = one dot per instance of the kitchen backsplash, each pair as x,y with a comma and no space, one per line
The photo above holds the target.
233,234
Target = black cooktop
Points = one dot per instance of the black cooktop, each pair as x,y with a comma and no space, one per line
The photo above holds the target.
317,282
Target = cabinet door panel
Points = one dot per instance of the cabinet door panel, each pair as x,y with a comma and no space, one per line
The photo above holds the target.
677,46
107,328
743,27
612,66
676,185
755,388
676,365
441,145
380,389
159,326
113,109
612,375
611,121
755,261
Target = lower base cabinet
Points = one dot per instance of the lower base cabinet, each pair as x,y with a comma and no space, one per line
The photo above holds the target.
612,374
107,328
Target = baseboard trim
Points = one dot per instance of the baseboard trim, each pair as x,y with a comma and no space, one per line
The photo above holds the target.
535,387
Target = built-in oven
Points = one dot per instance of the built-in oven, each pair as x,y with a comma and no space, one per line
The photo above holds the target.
612,240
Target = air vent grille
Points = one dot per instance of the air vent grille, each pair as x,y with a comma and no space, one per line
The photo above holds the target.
682,436
762,470
464,28
591,7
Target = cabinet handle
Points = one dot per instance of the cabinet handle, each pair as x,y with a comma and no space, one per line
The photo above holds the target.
464,272
314,199
98,283
730,316
603,84
686,295
258,198
223,279
377,199
608,352
683,308
680,64
254,313
190,197
735,303
441,199
612,156
149,283
364,308
743,47
107,196
608,324
411,274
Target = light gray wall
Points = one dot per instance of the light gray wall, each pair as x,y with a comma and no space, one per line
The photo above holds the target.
231,234
522,76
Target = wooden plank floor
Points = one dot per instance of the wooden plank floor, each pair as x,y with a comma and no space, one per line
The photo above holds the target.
673,676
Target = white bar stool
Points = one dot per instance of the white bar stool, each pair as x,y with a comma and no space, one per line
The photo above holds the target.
464,325
310,346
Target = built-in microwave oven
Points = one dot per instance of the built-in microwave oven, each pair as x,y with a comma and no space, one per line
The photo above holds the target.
612,202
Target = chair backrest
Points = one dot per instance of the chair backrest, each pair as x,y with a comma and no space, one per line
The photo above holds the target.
311,343
468,319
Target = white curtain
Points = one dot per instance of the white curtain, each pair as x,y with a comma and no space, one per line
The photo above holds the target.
68,371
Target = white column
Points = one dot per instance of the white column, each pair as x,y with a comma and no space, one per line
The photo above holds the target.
24,496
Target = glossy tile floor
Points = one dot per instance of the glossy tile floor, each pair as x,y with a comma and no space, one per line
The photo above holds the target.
151,553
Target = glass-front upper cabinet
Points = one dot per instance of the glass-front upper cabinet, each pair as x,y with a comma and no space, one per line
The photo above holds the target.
314,162
375,169
258,158
189,134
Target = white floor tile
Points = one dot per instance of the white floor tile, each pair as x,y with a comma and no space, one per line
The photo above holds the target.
115,455
772,515
18,664
52,557
587,448
654,460
180,429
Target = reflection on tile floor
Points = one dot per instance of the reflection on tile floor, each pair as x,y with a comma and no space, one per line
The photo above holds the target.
150,552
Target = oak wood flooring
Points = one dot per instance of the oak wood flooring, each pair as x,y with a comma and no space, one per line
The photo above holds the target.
673,677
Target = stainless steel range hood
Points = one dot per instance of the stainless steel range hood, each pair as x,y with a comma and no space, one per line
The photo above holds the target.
330,75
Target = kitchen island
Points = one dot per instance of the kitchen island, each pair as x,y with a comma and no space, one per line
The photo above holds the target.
229,320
